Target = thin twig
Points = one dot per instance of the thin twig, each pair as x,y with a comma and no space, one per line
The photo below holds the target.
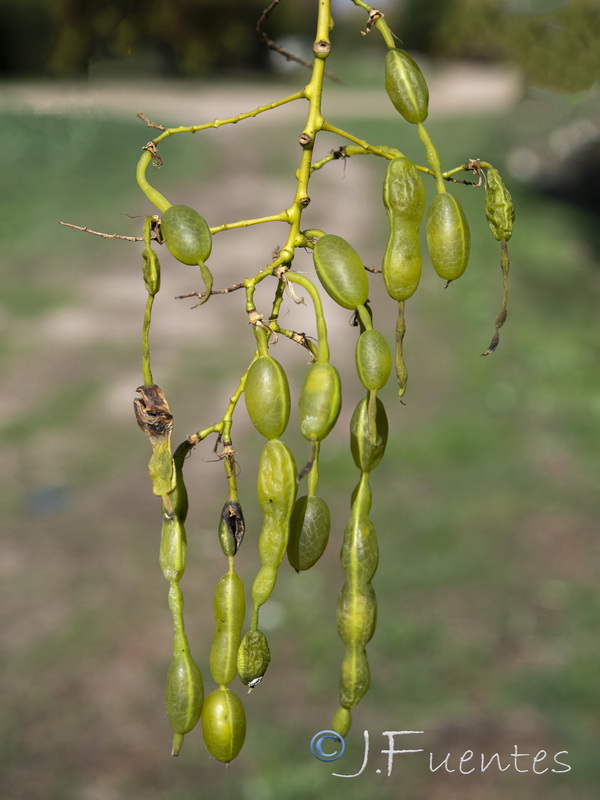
200,295
85,229
281,50
372,269
151,124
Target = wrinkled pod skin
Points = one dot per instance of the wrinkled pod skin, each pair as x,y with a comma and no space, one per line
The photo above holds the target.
309,532
186,234
404,200
368,454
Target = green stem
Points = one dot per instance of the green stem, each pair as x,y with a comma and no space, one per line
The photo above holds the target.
380,24
217,123
245,223
146,371
432,156
306,283
151,193
365,317
378,151
313,475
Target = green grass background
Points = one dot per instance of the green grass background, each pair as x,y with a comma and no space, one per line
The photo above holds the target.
486,502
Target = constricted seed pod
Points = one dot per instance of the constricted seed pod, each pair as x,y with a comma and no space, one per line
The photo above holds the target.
499,207
186,234
253,658
230,609
406,86
341,271
360,551
320,401
355,676
223,724
367,450
356,614
373,360
404,200
342,720
448,236
267,394
309,532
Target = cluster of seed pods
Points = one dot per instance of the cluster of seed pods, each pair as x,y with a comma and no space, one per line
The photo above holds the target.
300,526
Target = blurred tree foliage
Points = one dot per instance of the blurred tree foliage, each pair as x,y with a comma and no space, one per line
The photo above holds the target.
185,37
554,42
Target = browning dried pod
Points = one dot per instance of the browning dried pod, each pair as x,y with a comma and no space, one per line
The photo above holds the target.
231,527
154,417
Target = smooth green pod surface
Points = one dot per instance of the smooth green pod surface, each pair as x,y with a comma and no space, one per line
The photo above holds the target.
342,720
365,454
253,657
184,693
373,360
309,532
404,200
267,395
320,401
186,234
406,86
341,271
448,236
223,724
230,609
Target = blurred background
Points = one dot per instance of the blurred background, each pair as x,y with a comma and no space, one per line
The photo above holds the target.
486,503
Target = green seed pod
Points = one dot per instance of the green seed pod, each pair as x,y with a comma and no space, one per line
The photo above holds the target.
185,690
265,580
267,394
356,614
231,528
253,658
223,724
309,532
367,455
448,236
355,677
276,484
373,360
173,548
342,720
404,200
320,401
186,234
341,271
406,86
360,551
230,609
499,207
